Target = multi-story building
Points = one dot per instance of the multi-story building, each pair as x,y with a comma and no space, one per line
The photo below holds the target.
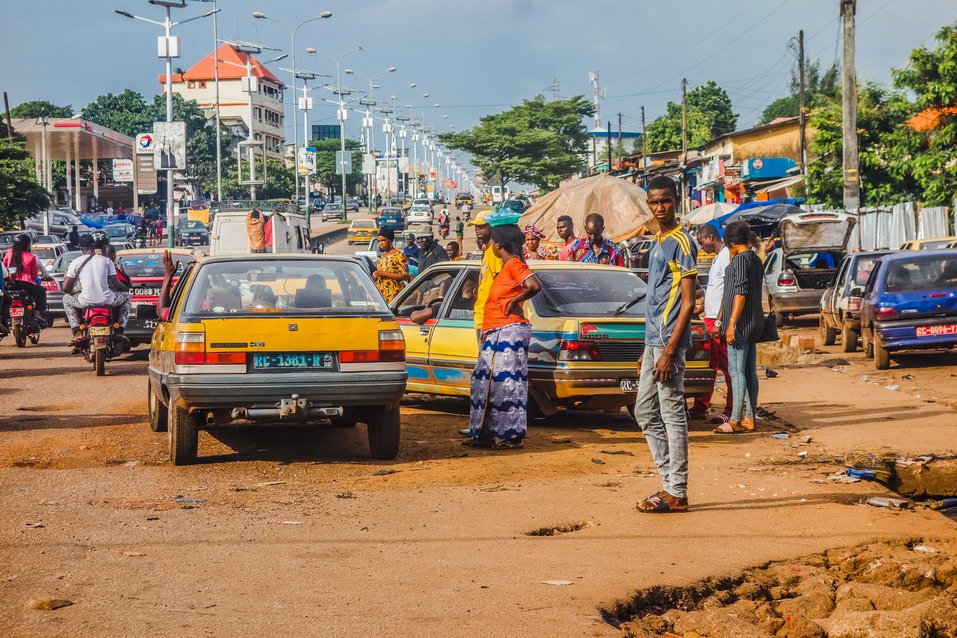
266,117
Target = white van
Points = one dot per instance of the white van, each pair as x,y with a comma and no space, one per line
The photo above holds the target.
290,233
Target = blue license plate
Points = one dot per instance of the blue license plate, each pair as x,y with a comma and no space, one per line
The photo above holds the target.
294,361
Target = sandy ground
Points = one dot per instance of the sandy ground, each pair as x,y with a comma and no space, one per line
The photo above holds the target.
433,543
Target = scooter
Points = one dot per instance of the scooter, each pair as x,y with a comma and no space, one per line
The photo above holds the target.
25,320
99,341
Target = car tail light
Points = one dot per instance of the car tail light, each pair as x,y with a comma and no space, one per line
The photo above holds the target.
700,349
51,286
391,345
854,303
190,349
359,356
785,279
579,351
885,312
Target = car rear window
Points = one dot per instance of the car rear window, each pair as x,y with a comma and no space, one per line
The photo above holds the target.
44,252
938,272
587,292
863,268
288,287
150,264
365,223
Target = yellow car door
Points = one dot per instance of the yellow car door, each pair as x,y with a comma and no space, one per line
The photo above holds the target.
453,347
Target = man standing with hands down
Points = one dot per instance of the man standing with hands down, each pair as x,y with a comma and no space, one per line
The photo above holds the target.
660,405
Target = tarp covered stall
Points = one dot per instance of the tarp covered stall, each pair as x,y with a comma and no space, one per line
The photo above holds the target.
708,212
623,204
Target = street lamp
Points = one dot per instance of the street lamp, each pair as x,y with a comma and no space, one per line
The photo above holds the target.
259,15
168,47
369,123
342,112
305,105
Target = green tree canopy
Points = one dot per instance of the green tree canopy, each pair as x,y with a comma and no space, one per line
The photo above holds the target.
932,76
537,142
326,164
280,181
822,88
664,133
713,102
36,108
20,194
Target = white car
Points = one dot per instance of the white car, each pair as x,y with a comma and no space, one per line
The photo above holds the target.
419,213
47,253
422,202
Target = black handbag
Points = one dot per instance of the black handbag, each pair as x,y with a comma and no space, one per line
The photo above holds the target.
770,331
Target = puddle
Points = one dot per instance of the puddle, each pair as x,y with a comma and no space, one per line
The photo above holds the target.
558,530
879,590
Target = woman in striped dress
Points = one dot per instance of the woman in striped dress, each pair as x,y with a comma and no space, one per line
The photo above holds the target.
742,319
499,384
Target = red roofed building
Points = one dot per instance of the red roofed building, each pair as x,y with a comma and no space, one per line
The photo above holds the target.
267,101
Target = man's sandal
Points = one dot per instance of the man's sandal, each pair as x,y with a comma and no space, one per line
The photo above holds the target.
657,504
731,427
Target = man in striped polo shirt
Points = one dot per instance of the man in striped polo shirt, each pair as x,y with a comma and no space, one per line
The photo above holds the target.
660,406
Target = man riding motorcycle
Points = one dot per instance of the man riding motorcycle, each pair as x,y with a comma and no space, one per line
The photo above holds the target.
29,271
99,284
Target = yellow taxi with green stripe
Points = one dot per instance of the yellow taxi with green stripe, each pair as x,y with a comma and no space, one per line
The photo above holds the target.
361,231
276,338
586,338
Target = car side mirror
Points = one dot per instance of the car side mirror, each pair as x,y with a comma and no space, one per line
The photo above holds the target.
857,291
146,312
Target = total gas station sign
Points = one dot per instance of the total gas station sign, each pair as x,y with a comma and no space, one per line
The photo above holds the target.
145,143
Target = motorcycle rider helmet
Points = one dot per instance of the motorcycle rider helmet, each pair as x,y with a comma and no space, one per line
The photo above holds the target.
100,239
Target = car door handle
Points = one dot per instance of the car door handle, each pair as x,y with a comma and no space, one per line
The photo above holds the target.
424,331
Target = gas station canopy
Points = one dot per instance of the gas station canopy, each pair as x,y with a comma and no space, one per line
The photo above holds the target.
73,139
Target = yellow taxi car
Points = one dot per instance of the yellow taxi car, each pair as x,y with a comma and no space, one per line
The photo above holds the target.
585,343
275,338
930,243
361,231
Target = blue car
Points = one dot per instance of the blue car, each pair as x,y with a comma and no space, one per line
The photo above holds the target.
94,220
910,303
391,217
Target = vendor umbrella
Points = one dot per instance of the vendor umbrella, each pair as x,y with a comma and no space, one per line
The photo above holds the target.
706,213
763,215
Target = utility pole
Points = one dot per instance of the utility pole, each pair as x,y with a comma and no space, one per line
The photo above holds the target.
6,110
684,138
852,182
802,116
609,146
644,139
621,146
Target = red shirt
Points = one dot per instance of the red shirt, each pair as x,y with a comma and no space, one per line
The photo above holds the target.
30,270
507,284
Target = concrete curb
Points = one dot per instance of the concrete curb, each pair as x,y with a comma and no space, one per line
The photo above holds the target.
328,236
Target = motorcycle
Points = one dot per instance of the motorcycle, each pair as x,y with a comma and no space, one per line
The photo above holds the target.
99,341
25,320
444,231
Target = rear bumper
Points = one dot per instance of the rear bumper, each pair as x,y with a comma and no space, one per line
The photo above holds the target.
804,301
323,389
901,335
584,386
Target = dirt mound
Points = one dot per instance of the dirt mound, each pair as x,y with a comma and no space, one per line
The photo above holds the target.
879,590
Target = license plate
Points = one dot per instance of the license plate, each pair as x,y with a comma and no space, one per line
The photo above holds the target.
146,292
628,385
99,331
16,313
935,331
294,361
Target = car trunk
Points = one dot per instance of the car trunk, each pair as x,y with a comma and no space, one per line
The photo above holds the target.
813,246
292,333
813,278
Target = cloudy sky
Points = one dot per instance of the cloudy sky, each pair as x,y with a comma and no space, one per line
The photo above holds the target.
474,56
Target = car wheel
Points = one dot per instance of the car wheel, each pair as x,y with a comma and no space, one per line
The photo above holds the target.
882,358
828,334
848,339
867,344
778,316
384,434
183,436
155,410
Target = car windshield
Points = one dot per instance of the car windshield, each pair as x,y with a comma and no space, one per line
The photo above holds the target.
289,287
63,261
191,224
333,207
933,272
150,264
584,291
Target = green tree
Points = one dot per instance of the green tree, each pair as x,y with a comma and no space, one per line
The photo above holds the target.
713,102
821,88
326,165
932,76
537,142
664,133
280,181
885,153
20,194
36,108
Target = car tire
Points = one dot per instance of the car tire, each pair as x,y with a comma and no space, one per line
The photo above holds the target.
828,334
155,410
867,344
183,436
384,434
848,339
882,358
778,316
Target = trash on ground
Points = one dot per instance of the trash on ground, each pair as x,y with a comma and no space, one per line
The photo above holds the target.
779,435
191,500
863,377
841,477
270,483
384,472
562,440
35,525
888,503
623,452
908,376
769,373
806,439
597,461
944,504
557,582
134,554
867,475
49,604
802,453
345,495
864,460
924,548
892,387
289,522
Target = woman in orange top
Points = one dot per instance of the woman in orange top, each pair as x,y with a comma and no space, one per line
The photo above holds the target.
499,384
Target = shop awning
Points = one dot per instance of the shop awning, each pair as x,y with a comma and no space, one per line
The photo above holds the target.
74,139
786,182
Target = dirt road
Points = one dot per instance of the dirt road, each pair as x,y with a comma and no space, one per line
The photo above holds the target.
291,531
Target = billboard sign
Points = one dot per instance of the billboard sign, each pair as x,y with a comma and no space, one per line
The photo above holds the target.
170,141
122,170
306,163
